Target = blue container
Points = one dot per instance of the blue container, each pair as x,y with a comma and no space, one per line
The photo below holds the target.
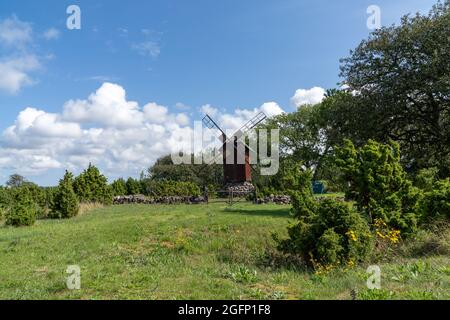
318,187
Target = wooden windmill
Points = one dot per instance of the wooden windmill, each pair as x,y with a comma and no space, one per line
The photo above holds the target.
233,171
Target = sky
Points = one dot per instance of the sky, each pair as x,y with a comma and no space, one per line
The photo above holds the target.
123,89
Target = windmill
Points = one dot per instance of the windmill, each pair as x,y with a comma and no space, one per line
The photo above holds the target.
234,171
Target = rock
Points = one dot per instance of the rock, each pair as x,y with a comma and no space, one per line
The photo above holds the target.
279,199
141,199
240,189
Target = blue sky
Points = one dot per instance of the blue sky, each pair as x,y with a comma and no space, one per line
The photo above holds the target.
176,58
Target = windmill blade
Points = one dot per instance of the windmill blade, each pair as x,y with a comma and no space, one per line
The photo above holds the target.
212,125
249,125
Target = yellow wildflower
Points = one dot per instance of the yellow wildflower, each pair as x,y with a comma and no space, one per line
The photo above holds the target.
352,235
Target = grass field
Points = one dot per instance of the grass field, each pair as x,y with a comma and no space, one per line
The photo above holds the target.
188,252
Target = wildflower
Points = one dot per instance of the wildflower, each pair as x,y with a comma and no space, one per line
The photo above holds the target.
351,234
379,234
394,236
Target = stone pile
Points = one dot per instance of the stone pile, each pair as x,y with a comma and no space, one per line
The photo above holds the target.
280,199
240,189
141,199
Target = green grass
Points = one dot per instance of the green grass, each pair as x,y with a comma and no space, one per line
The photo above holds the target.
187,252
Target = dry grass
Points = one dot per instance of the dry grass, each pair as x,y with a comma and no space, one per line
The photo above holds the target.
89,206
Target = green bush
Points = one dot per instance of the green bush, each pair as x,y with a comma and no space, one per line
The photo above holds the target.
23,209
38,195
435,204
92,186
5,201
378,183
65,202
296,181
133,187
171,188
426,178
333,234
119,187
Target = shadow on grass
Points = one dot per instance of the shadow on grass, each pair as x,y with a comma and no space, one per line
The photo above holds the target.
265,212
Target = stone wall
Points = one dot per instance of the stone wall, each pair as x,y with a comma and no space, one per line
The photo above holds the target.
141,199
281,199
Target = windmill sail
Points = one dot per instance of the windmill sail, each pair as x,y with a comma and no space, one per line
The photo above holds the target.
236,137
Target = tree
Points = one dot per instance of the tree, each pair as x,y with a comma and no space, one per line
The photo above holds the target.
133,186
401,77
92,186
65,202
201,174
378,183
23,209
119,187
15,181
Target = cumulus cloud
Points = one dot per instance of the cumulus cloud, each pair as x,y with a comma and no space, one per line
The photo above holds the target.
120,136
231,122
308,96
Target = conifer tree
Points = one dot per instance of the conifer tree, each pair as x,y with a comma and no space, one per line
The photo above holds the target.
65,203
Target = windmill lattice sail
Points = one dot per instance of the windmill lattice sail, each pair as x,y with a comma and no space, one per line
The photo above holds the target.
235,172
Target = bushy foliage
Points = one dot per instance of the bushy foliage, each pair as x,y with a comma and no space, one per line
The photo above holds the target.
39,197
22,210
425,178
5,200
436,203
119,187
378,183
296,180
92,186
133,186
171,188
65,202
333,234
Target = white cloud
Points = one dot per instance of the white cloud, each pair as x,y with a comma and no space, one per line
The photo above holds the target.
17,61
52,34
107,106
14,72
15,33
209,110
106,129
182,106
308,96
231,122
271,109
155,113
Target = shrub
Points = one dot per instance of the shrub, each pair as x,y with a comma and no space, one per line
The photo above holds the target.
426,178
334,234
23,209
436,203
133,186
297,183
5,200
92,186
38,195
65,203
171,188
378,183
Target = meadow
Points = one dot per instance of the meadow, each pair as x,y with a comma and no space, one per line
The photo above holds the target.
210,251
